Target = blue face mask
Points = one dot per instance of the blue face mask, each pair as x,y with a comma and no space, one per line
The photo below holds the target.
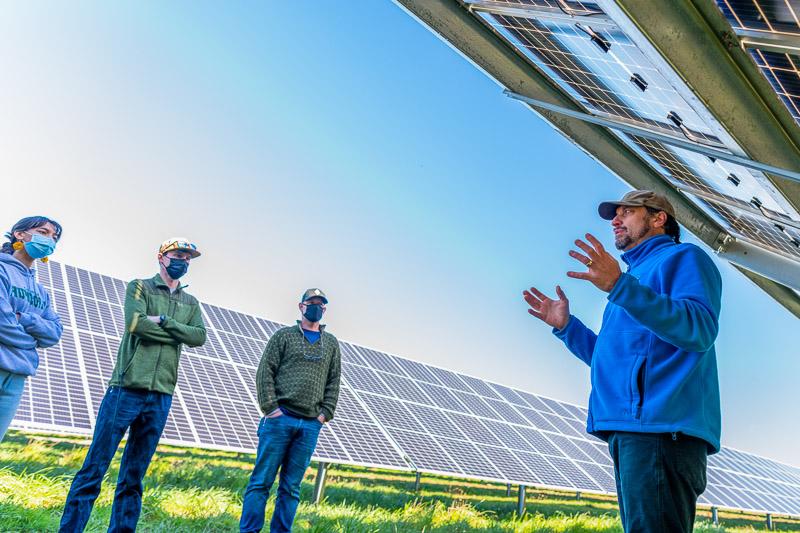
313,312
177,267
40,246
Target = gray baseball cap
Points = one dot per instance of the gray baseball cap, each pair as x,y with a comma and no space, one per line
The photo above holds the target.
608,210
314,293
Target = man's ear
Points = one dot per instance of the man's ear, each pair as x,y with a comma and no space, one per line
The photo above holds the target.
661,219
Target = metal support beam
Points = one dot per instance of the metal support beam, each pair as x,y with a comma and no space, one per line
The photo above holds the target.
782,43
578,495
319,483
771,265
770,523
653,136
521,501
715,516
417,480
508,489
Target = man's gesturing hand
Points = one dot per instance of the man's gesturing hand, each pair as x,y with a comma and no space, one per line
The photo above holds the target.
552,312
603,270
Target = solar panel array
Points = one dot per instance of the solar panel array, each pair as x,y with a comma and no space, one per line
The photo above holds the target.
604,70
392,413
774,18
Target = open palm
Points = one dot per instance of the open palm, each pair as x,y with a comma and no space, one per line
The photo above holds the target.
555,313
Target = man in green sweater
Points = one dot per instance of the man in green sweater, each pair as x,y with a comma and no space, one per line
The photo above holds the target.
160,317
298,386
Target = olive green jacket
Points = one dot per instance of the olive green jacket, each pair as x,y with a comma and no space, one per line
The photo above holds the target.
149,353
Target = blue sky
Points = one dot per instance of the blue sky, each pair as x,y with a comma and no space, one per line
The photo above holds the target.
345,147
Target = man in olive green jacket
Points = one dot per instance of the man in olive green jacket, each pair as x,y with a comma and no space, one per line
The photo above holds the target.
160,317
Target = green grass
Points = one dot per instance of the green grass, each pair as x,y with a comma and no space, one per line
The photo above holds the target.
192,490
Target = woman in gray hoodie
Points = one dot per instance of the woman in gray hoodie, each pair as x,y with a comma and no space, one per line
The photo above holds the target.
27,319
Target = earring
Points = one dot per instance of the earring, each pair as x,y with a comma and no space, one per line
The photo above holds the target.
45,259
19,245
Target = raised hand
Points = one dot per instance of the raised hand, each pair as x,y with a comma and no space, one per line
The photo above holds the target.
604,270
554,313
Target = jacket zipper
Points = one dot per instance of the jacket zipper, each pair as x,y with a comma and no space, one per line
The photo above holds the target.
171,312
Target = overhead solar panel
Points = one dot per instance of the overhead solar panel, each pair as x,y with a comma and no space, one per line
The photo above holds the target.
392,413
772,16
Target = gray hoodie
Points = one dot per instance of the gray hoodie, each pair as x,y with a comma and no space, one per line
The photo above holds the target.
27,319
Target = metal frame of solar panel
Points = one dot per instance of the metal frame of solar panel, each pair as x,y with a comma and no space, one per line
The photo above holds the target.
393,412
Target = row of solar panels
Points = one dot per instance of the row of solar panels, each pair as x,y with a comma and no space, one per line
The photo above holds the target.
393,412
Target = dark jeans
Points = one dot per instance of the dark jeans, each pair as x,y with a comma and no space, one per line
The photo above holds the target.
286,442
659,477
145,413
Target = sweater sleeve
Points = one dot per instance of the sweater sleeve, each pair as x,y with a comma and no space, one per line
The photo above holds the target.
331,395
12,333
265,376
579,339
686,312
45,328
191,334
136,321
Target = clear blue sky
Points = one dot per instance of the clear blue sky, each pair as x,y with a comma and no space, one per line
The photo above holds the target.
341,145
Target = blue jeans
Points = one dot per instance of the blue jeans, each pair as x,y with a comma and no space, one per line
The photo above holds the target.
659,477
11,389
145,413
286,442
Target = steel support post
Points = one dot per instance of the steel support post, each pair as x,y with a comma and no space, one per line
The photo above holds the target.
319,483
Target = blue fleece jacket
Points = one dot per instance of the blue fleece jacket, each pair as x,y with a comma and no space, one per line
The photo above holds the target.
654,369
38,326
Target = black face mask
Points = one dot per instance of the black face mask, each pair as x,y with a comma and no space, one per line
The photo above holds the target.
313,312
177,267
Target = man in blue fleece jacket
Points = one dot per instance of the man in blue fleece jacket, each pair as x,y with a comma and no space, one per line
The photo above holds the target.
655,392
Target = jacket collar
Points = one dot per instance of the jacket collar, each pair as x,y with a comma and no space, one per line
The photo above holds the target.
637,254
159,281
300,327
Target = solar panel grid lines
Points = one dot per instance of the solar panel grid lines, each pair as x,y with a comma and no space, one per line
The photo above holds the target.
565,50
773,16
757,230
781,71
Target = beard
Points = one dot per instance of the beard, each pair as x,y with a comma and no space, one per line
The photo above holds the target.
625,240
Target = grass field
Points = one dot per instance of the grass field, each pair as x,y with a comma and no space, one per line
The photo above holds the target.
193,490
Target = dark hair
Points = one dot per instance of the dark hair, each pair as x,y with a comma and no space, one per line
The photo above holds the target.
671,226
26,224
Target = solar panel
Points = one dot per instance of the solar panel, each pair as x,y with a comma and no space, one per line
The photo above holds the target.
766,29
605,71
392,412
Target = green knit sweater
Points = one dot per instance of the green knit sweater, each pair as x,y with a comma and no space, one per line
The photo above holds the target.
298,375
